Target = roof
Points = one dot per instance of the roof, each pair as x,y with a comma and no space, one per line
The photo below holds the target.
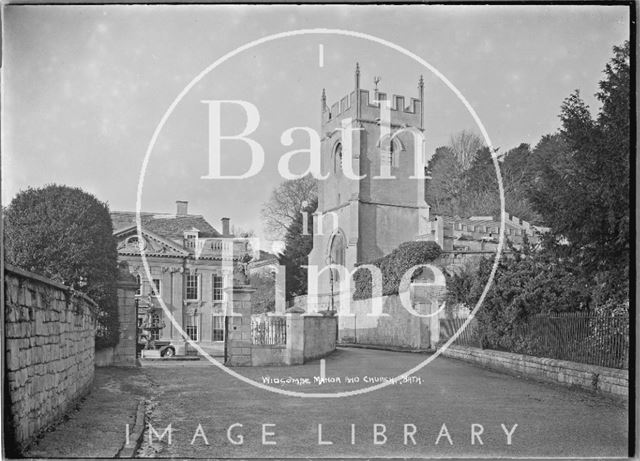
165,225
266,256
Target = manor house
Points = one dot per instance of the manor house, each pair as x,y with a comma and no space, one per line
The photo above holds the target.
185,256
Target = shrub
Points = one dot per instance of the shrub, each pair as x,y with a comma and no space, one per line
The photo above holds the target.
394,266
66,234
525,284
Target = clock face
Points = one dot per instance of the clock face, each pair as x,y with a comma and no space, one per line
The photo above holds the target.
289,105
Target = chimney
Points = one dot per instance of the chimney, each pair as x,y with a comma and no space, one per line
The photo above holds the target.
225,227
181,207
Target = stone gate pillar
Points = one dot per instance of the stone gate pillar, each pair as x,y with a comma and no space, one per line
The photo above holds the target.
238,339
295,336
124,353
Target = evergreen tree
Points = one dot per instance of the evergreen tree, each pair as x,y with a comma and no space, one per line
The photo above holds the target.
66,234
298,245
442,191
582,192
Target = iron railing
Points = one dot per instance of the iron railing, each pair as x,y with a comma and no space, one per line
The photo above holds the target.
601,340
466,337
268,330
579,337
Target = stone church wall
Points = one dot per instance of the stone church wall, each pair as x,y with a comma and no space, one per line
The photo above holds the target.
398,329
49,346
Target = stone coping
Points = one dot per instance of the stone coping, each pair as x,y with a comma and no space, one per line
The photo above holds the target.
40,278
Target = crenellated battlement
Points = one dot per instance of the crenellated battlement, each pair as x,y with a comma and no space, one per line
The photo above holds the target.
361,103
397,102
346,104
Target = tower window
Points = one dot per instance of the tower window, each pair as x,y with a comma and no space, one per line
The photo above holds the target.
337,158
394,151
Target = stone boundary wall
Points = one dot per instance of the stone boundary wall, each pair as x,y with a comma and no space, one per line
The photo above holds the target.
398,328
49,333
265,355
608,381
308,337
319,336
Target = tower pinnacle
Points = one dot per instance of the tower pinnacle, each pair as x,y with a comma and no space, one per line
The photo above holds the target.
421,90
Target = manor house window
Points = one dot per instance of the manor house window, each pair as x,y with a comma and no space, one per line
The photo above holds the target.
193,286
218,295
218,328
190,239
192,327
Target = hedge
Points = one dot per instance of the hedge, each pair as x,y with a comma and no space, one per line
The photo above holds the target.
66,234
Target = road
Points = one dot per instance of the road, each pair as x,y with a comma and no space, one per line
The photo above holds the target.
434,415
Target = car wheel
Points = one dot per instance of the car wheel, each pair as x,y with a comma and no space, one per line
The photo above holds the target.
169,352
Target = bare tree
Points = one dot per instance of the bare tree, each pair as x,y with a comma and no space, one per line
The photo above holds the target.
243,232
286,201
464,146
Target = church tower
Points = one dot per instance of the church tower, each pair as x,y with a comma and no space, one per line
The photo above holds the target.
360,220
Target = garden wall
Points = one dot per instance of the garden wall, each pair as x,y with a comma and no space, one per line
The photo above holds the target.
608,381
49,346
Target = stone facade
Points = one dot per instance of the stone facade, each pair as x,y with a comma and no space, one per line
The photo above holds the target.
191,264
49,345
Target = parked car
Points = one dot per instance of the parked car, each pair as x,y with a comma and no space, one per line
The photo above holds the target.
166,347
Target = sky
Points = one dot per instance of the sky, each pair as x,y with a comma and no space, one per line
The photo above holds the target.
85,87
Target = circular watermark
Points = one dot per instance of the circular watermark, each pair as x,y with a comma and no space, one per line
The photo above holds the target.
346,33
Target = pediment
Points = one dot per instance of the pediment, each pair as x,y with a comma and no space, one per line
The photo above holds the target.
128,243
